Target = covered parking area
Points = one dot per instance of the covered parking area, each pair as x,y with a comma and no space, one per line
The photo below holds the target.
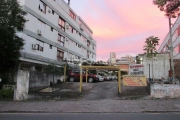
86,68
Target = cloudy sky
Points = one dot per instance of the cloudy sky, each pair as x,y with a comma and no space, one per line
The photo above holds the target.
121,26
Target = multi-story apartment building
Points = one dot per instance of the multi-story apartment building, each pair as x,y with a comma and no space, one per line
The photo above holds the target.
175,41
54,33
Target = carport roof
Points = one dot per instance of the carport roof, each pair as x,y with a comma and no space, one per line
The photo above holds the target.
101,67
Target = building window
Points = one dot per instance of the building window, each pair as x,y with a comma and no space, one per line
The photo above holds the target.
50,46
42,7
87,54
60,55
41,26
61,39
70,28
51,29
93,47
178,29
53,12
40,48
62,24
71,14
88,43
176,50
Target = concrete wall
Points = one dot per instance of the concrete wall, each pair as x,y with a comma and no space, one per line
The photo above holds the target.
159,66
22,87
165,91
39,79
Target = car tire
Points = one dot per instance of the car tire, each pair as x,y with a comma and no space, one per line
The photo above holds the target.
71,79
90,80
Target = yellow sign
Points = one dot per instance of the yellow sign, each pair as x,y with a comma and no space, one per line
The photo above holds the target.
134,80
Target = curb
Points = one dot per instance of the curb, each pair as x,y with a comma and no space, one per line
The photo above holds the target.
34,111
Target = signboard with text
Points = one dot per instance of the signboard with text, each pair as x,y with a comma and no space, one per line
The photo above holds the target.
136,69
134,80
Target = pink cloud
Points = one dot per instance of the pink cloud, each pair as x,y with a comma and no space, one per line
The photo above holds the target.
122,26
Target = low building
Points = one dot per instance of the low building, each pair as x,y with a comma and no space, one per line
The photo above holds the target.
156,68
124,62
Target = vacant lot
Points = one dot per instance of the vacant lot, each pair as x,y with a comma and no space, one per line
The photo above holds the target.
93,91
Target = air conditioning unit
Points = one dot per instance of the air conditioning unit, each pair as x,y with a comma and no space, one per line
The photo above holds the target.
34,46
81,27
67,26
39,32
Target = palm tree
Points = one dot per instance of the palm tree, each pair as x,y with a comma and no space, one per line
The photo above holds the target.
150,48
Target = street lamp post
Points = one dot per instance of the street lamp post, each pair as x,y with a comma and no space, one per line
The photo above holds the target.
171,50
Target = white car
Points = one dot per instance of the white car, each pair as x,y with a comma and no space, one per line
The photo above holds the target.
101,78
109,77
114,77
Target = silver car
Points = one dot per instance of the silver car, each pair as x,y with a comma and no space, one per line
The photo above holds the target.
114,77
101,78
109,77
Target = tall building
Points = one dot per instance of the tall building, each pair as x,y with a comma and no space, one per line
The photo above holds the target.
175,41
54,33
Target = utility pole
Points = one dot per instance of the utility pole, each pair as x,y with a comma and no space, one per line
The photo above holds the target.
171,50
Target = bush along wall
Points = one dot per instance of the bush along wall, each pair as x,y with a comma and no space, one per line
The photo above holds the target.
6,94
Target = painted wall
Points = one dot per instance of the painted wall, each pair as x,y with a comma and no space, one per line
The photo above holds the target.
39,79
22,87
159,67
165,91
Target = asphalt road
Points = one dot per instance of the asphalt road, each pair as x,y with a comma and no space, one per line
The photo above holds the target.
92,91
90,116
102,90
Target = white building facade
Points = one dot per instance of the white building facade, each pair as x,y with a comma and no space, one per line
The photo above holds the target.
54,33
175,41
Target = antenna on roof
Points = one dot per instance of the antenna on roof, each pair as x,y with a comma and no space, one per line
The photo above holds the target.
68,2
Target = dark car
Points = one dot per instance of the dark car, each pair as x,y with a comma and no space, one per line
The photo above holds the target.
74,75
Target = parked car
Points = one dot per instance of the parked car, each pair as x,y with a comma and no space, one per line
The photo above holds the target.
74,75
101,78
114,77
109,77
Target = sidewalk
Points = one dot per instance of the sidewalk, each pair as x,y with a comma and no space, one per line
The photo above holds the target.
91,106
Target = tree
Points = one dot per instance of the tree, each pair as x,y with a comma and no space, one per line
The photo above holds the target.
11,21
150,46
170,7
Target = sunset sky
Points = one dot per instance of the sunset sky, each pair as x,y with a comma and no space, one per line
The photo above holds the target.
121,26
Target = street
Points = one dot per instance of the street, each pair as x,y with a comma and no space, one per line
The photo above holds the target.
90,116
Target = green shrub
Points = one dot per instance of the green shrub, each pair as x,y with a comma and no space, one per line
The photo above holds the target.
6,94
